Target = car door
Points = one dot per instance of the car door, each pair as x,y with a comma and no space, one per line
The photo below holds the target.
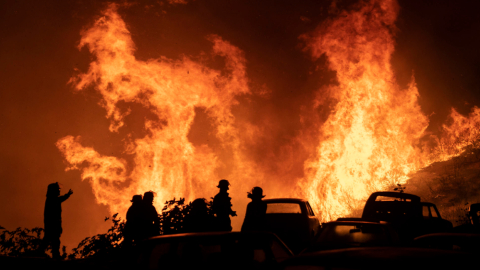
313,223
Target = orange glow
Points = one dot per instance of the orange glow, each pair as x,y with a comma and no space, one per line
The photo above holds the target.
165,161
369,139
461,133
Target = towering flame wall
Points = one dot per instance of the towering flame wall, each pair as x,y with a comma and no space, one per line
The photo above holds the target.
165,161
369,140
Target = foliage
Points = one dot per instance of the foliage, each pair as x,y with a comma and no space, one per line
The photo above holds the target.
451,183
173,215
22,242
101,244
28,242
462,215
110,243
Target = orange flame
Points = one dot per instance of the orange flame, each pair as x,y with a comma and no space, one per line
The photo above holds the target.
462,133
165,160
369,140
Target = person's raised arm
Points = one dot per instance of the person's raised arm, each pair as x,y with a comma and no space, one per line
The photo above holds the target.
65,196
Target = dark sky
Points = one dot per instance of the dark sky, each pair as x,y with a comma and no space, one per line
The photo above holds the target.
437,40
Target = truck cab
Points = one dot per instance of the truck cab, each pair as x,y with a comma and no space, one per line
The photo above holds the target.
293,220
406,212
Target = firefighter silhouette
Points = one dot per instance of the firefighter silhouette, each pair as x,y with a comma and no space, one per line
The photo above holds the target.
52,218
150,220
222,207
133,226
256,211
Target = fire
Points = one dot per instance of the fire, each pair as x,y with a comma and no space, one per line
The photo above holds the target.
462,133
370,138
165,160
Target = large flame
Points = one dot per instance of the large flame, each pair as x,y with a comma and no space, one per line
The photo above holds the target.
165,160
369,139
461,134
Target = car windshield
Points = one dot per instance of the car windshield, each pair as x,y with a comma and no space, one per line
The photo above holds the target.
352,234
283,208
390,199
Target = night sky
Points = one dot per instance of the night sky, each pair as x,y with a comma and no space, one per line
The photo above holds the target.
437,41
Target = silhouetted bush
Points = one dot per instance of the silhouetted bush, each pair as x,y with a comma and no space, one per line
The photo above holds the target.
22,242
172,218
27,242
109,244
101,244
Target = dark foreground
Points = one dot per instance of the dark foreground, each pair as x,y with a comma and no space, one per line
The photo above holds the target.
260,250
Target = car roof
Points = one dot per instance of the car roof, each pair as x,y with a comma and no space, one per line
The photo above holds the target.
475,207
393,194
428,203
284,200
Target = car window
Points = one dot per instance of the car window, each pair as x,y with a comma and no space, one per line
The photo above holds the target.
309,209
425,211
259,255
283,208
279,251
391,199
434,213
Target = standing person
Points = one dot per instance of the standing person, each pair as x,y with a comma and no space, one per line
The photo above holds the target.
151,226
222,207
52,218
256,211
133,226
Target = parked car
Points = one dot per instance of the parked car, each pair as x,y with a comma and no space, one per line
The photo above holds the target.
380,258
346,234
406,212
451,241
214,250
293,220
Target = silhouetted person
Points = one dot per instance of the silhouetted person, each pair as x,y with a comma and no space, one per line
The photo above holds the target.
52,218
222,207
133,226
198,220
151,221
256,211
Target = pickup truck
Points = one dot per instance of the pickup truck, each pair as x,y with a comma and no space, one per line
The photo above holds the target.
406,213
293,220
